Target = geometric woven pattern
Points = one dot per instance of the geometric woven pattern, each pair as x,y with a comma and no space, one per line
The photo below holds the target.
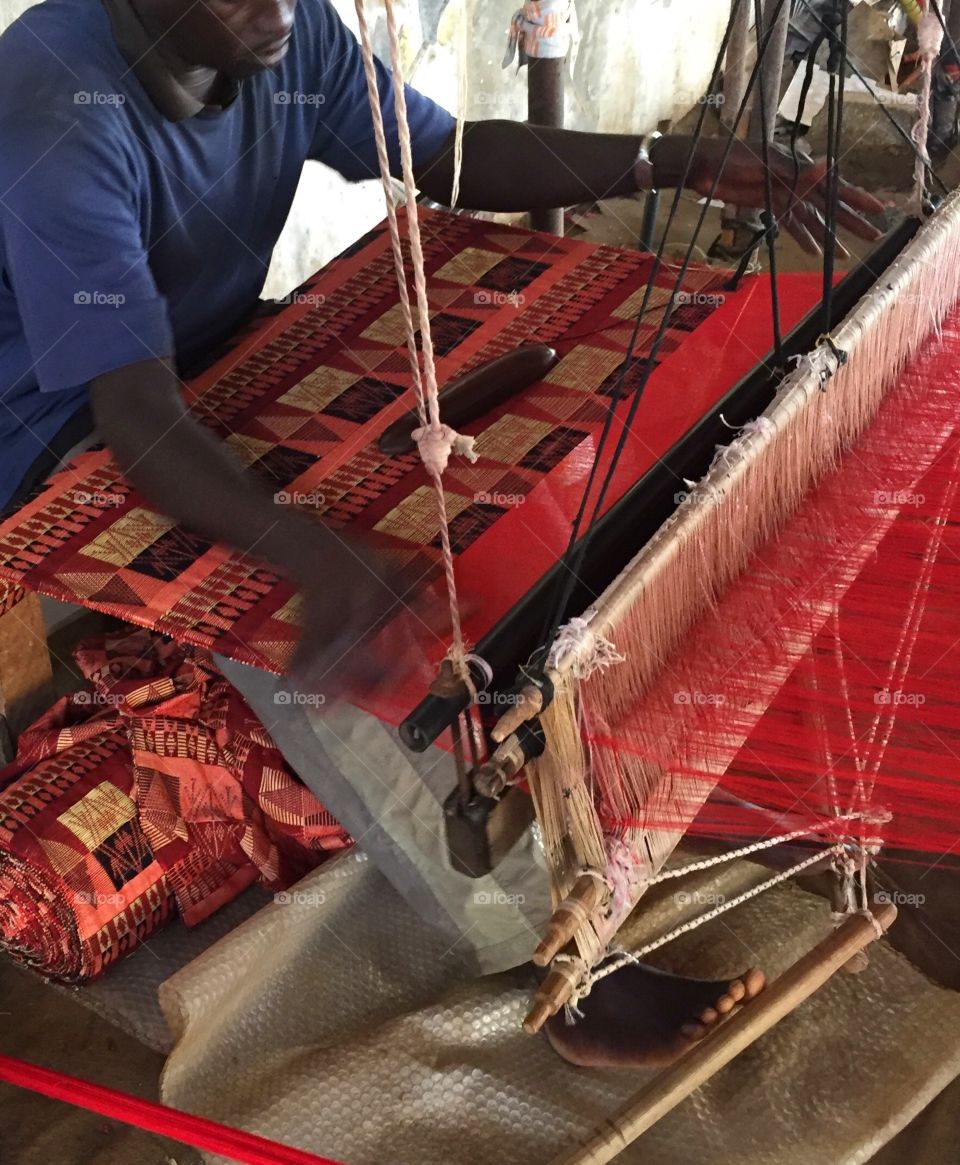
153,793
302,398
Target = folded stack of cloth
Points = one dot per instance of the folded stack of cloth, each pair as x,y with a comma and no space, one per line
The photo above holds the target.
152,794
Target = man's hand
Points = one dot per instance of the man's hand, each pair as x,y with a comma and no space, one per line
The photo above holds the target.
192,476
799,189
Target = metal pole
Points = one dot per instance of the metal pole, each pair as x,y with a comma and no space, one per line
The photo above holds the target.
734,87
735,65
545,107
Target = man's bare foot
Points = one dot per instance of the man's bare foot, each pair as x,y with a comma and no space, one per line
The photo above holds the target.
640,1017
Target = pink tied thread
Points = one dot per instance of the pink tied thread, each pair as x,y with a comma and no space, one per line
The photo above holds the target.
929,38
435,440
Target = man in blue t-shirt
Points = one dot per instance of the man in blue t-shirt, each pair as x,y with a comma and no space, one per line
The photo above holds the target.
147,168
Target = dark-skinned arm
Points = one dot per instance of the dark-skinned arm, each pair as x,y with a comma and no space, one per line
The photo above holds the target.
511,166
190,475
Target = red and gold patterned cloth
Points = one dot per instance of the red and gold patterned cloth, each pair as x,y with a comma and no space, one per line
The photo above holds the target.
153,793
303,397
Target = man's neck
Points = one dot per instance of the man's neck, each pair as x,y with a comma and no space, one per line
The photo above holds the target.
202,83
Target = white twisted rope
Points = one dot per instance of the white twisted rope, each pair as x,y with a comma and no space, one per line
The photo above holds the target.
435,440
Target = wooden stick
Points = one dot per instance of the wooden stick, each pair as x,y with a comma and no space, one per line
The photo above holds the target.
576,910
552,993
726,1042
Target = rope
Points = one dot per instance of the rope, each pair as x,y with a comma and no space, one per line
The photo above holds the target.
756,847
929,38
622,959
436,441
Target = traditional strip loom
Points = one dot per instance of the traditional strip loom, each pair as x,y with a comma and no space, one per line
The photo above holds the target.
742,590
624,720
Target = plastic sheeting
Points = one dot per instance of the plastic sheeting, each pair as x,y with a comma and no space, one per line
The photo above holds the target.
339,1022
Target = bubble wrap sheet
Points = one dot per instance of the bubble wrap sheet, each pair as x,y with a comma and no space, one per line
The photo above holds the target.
338,1022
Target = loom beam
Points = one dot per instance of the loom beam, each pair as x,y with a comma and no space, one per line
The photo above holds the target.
636,517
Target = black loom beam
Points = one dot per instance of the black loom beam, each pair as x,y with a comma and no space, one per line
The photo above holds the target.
633,520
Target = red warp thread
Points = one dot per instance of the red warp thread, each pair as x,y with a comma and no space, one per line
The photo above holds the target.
834,658
155,1118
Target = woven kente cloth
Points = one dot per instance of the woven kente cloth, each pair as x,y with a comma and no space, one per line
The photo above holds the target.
303,397
153,793
10,595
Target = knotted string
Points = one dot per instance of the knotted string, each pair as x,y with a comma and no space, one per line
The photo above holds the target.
435,440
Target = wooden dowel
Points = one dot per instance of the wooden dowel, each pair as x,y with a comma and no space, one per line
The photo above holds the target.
529,703
728,1040
551,995
474,394
574,911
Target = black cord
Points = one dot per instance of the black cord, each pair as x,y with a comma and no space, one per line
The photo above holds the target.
574,555
837,68
935,7
896,126
768,217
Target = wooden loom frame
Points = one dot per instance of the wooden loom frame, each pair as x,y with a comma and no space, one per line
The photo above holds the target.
804,430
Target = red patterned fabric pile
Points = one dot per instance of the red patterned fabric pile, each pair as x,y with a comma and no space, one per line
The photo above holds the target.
154,793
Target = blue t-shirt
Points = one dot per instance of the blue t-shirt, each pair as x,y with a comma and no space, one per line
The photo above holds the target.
124,235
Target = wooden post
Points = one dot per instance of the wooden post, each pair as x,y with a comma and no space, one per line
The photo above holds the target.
728,1040
545,107
26,689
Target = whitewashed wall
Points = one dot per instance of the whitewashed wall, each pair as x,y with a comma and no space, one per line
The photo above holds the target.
639,61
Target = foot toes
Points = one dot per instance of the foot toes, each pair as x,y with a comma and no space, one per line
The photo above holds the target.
754,981
694,1031
709,1016
736,990
726,1004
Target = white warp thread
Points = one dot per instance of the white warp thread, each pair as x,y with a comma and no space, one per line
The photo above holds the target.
579,646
